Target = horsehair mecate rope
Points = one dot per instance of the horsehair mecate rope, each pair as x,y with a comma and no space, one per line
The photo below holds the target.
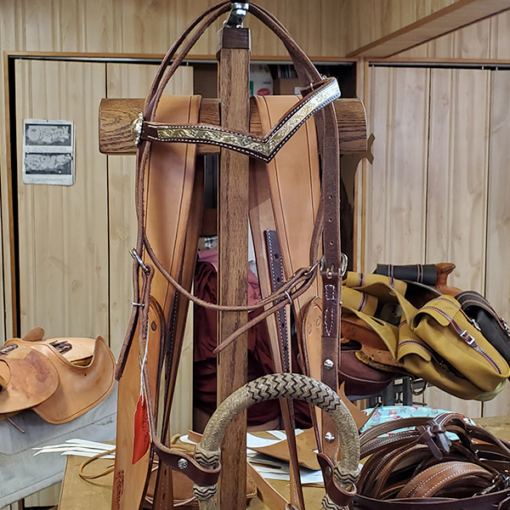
271,387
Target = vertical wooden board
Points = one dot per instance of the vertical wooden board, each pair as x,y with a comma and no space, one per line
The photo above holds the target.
473,41
458,166
500,36
129,81
11,37
497,274
397,179
63,241
438,399
457,197
41,27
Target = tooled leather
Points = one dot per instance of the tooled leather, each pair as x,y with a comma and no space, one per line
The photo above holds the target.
263,148
29,378
80,388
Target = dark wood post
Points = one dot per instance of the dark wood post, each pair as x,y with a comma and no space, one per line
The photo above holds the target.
234,71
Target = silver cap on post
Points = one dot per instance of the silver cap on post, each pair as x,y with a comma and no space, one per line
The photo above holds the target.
237,15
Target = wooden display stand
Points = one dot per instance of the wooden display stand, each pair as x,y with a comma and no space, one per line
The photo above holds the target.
116,117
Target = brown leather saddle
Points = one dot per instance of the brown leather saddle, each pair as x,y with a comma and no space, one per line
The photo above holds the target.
58,378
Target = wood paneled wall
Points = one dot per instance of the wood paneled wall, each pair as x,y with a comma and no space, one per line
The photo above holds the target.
369,20
487,39
436,189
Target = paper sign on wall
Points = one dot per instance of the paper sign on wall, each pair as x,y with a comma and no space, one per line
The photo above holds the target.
48,152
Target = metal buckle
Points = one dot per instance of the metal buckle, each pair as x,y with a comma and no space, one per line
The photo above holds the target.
136,128
343,266
330,270
137,257
237,15
467,337
311,269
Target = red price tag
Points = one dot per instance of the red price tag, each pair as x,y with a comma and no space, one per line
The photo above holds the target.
142,438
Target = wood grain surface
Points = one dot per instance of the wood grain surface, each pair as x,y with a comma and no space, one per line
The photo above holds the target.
233,208
117,115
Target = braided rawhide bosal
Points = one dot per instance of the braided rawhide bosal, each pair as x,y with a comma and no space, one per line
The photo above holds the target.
272,387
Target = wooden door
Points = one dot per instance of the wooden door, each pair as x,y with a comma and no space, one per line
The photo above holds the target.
63,230
435,192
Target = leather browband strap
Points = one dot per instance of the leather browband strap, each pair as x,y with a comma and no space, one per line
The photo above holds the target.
323,93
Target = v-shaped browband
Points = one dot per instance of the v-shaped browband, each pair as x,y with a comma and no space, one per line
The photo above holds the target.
264,148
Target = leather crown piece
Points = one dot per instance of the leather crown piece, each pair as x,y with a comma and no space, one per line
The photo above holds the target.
46,375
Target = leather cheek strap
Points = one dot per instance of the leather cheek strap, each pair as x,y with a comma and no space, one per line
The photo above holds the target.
339,496
186,464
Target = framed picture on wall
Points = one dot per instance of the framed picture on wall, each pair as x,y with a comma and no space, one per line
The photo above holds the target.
48,152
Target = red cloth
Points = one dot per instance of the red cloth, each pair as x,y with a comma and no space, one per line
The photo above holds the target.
259,353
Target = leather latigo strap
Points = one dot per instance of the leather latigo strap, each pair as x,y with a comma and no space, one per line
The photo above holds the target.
165,177
422,467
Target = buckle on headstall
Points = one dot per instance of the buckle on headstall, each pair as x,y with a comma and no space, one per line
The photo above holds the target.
434,436
330,270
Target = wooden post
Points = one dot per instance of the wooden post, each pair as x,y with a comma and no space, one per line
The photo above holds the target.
233,200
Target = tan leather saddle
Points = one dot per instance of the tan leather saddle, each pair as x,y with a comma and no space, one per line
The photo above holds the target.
58,378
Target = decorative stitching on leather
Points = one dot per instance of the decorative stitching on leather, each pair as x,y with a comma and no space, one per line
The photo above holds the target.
364,299
430,490
329,292
329,321
261,148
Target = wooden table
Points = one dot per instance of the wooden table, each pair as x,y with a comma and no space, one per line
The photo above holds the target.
77,494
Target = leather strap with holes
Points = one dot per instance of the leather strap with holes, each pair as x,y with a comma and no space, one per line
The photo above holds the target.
423,466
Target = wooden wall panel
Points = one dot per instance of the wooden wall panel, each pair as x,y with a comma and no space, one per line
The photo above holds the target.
63,230
427,190
497,274
369,20
458,166
457,188
396,182
487,39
